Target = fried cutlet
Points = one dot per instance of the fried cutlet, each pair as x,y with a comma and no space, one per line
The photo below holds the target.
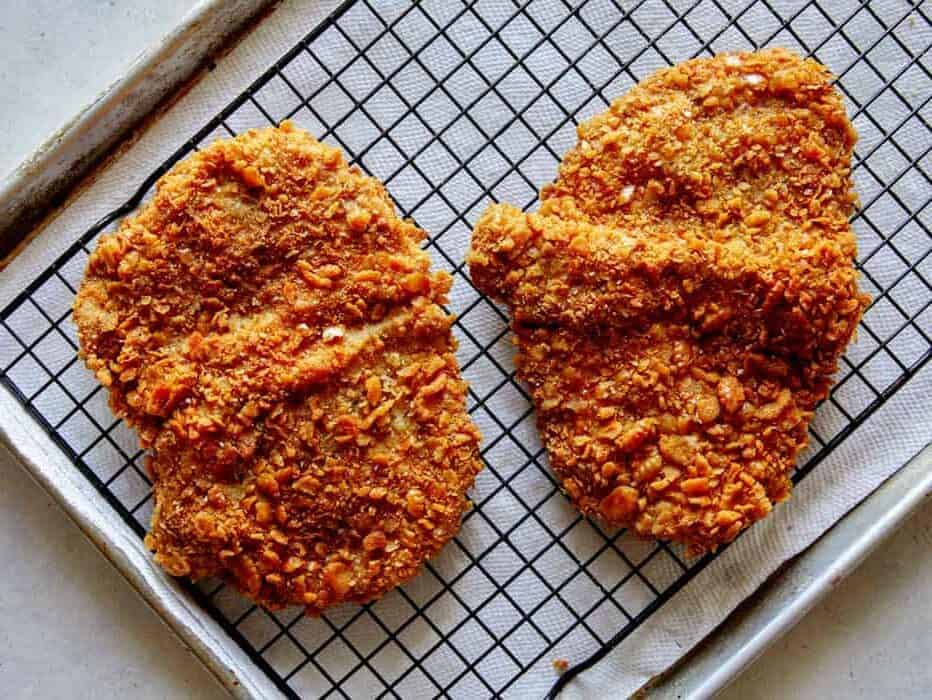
737,144
272,329
682,299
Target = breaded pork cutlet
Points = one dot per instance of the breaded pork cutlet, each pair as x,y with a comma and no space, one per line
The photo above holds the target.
682,299
272,329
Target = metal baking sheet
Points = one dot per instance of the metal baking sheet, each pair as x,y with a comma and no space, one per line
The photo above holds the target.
571,57
785,599
44,178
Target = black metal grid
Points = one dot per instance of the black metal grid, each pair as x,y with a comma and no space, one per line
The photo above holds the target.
454,105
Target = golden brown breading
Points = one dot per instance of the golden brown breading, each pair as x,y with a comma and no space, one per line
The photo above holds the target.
272,329
736,144
349,483
584,276
681,438
682,299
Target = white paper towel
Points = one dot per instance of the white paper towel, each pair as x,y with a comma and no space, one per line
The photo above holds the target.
470,635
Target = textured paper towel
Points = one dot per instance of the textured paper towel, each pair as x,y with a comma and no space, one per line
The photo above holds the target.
469,635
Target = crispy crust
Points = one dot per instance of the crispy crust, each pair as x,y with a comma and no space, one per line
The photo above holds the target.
271,328
682,299
582,276
738,144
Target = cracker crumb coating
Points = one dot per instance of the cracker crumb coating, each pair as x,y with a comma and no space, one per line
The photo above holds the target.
573,274
739,145
682,298
271,328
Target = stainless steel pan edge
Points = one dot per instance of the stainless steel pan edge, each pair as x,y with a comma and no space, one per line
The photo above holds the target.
49,467
44,179
27,196
786,598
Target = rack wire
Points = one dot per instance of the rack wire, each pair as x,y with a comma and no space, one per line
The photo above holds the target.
454,105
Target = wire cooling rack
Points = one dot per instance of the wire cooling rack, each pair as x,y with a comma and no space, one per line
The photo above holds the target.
454,105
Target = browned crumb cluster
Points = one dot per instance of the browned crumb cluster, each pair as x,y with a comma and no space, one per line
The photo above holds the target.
682,298
560,665
272,329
